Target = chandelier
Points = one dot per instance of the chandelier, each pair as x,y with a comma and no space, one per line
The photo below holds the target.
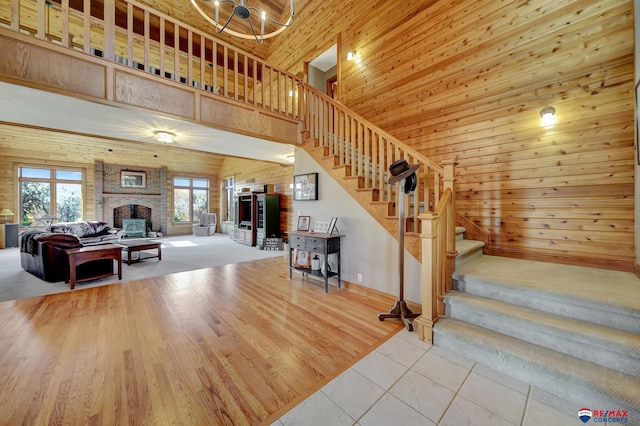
227,9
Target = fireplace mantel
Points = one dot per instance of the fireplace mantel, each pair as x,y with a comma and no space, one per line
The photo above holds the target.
110,195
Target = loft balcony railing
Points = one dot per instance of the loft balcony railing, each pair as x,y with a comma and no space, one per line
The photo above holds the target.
135,35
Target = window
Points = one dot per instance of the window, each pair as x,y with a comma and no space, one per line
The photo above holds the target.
190,199
229,184
50,192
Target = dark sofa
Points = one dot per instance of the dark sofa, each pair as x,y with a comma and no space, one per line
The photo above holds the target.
42,252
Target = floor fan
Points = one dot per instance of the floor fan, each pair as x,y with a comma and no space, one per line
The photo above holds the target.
405,174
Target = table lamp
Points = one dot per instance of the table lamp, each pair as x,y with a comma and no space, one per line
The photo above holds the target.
5,213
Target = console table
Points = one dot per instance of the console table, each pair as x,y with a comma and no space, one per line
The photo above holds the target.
313,242
82,255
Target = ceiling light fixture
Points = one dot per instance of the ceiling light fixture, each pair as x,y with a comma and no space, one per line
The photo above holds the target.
351,55
291,158
548,116
227,9
165,137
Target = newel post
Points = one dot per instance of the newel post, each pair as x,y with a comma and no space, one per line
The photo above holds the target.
431,267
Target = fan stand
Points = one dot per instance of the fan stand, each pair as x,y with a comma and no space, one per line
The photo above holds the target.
400,309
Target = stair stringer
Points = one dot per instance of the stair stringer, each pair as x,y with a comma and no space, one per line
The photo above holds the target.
381,210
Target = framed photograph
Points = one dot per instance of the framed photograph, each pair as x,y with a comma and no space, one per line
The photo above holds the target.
133,179
304,223
332,225
303,259
321,227
305,187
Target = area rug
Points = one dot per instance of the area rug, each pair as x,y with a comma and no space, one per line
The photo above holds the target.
181,253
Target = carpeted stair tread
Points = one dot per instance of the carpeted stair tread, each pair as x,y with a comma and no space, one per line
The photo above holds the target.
612,348
578,381
606,287
609,298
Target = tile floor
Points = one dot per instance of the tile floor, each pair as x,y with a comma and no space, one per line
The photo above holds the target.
405,381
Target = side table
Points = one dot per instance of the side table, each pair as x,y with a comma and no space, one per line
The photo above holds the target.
314,242
81,255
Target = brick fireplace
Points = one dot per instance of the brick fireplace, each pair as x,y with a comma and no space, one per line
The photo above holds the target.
115,203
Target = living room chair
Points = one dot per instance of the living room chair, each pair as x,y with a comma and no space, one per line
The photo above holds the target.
207,225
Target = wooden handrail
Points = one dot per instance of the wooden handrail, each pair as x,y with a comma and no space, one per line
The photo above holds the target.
368,151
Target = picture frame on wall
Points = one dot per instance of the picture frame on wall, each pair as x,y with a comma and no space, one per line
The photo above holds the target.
305,187
304,223
130,179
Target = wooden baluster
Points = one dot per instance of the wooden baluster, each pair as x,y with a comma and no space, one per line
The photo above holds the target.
86,35
225,71
147,42
214,67
247,97
203,60
255,81
368,159
129,34
65,23
42,11
189,57
109,29
162,46
15,15
235,76
176,52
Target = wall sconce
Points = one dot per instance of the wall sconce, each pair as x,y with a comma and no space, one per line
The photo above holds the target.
291,158
351,55
165,137
548,115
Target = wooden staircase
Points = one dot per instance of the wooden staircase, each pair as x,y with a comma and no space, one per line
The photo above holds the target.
369,198
358,155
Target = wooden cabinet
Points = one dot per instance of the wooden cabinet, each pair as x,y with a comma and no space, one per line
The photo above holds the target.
315,243
267,217
245,218
257,216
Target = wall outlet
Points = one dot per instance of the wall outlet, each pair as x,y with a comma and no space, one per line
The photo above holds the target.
359,277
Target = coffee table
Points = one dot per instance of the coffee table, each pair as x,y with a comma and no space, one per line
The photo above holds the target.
82,255
140,245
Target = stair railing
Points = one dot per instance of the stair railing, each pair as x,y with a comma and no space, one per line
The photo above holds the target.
135,35
367,152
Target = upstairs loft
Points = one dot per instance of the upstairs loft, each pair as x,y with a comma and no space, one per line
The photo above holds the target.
205,81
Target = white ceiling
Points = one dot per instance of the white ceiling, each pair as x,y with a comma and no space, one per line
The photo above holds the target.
24,105
326,60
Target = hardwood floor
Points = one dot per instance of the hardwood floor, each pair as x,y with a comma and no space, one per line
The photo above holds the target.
237,344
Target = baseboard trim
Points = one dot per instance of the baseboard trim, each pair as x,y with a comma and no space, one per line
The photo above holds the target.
378,295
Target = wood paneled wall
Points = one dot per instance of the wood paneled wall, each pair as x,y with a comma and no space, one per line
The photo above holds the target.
254,174
467,80
21,145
